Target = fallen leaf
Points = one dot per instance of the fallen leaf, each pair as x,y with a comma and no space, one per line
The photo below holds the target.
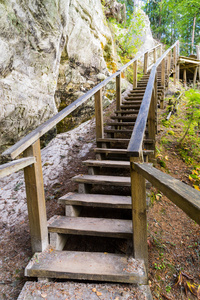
43,295
99,293
166,157
94,290
198,292
191,288
196,187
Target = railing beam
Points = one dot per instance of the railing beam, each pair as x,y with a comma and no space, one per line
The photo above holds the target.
36,200
174,62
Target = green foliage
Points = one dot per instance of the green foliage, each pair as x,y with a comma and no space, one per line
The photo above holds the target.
172,20
128,39
193,113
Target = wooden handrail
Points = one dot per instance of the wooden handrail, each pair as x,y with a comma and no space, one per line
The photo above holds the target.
33,136
136,141
184,196
16,165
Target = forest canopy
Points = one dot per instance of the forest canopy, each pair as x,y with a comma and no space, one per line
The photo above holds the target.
173,20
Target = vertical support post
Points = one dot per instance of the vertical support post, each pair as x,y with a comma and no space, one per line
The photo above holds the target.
198,57
152,116
156,103
135,73
177,64
154,55
118,92
195,76
185,78
162,83
146,55
174,54
160,51
168,63
36,200
139,215
99,114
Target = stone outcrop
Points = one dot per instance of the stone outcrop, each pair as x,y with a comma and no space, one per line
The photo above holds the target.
51,52
32,36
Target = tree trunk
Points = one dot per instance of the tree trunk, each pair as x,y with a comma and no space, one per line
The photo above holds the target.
193,31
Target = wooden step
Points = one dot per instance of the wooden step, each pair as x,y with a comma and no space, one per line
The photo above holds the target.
124,112
119,151
121,123
33,290
130,106
87,266
96,200
115,228
121,140
122,131
107,163
124,118
101,179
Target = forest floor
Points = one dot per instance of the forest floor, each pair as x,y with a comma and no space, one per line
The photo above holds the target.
173,238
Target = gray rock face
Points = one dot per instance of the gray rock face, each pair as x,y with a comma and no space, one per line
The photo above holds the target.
51,52
32,36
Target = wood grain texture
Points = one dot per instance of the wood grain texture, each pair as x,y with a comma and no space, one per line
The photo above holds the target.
115,228
14,166
139,215
36,200
87,266
102,179
99,114
118,92
96,200
184,196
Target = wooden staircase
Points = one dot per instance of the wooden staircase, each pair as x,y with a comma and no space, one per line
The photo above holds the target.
110,204
103,173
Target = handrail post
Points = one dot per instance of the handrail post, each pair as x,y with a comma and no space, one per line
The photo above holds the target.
135,73
152,116
118,92
198,57
139,215
195,77
177,65
36,200
168,63
185,78
174,62
162,83
146,55
99,114
154,55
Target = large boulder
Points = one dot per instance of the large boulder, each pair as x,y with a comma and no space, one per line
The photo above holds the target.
32,36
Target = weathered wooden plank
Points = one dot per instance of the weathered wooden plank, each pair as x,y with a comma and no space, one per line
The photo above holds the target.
116,228
96,200
119,151
80,291
102,179
122,124
107,163
146,55
87,266
118,92
139,215
135,65
184,196
36,200
99,114
14,166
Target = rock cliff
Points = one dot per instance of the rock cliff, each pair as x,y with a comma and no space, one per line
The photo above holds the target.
51,52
